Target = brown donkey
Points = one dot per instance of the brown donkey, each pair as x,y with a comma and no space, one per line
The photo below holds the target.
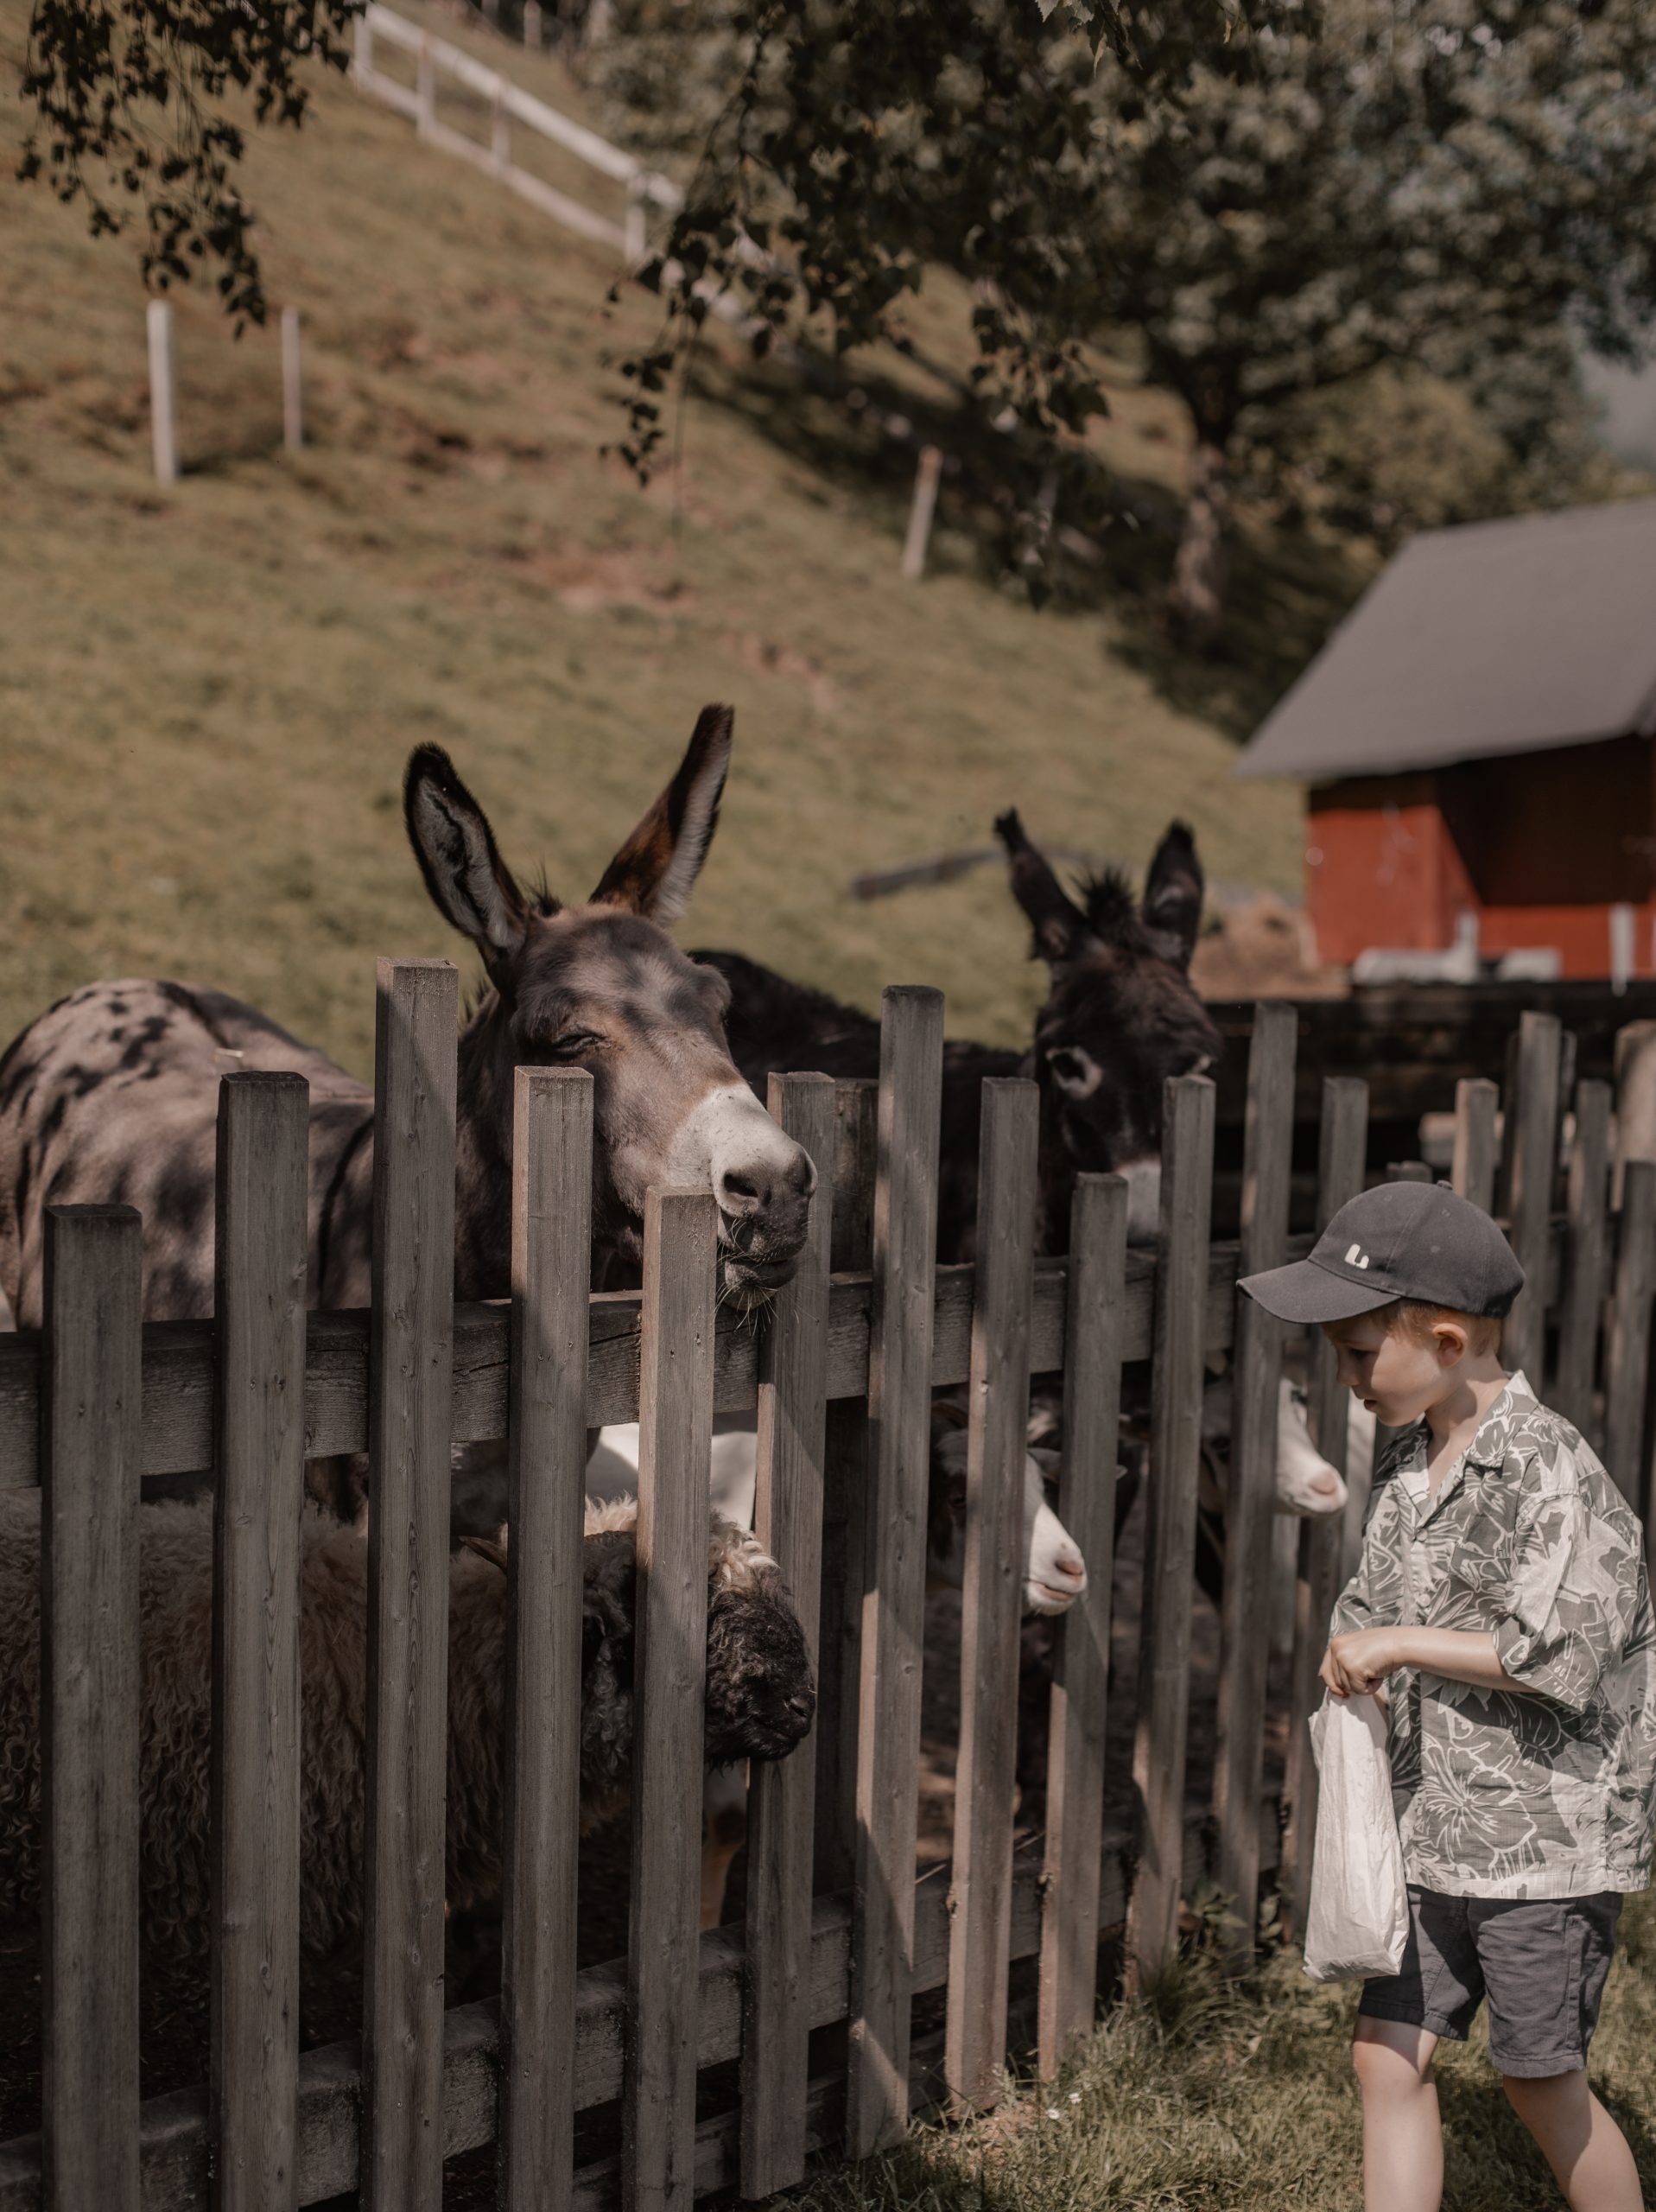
112,1096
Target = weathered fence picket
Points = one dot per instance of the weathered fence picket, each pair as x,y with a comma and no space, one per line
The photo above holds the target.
1074,1794
551,1243
1169,1540
788,1522
900,1325
1477,1148
1582,1303
1534,1149
89,1710
1339,1177
992,1599
674,1469
259,1303
410,1382
1626,1349
1250,1508
856,1107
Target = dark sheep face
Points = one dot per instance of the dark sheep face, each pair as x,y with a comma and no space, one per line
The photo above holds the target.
761,1694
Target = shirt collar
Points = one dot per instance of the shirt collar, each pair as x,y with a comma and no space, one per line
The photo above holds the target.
1487,1450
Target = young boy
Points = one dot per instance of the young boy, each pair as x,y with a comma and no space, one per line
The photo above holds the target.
1502,1603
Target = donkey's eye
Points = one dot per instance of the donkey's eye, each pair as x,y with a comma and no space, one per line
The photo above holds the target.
1073,1070
571,1043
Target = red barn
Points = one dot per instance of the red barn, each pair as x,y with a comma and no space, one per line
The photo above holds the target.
1479,738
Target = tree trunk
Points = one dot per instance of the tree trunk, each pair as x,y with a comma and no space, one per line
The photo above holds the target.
1195,597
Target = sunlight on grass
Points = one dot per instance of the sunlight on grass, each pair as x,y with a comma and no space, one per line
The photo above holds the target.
1240,2097
207,693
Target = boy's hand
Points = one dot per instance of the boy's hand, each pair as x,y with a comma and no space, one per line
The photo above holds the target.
1360,1660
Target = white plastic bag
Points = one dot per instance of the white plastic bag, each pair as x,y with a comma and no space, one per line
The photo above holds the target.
1358,1923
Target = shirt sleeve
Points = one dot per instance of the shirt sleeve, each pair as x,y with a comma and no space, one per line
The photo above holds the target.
1354,1608
1571,1597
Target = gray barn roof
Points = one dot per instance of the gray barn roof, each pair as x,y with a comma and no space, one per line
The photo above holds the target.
1496,637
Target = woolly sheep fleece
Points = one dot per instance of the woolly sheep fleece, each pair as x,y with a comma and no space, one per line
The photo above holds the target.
761,1703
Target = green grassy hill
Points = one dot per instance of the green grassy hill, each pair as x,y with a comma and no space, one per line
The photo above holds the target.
206,695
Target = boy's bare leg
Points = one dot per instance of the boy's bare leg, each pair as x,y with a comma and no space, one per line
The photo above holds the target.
1586,2149
1403,2137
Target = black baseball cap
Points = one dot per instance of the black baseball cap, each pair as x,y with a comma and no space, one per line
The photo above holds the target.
1400,1240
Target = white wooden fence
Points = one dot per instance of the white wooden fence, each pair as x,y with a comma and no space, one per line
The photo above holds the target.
508,103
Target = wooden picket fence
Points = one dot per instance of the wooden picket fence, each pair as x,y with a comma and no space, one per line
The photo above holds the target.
842,1376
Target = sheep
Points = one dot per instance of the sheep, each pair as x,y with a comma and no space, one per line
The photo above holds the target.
1055,1574
761,1701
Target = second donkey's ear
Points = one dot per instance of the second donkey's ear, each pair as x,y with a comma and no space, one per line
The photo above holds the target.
470,884
655,872
1061,928
1171,911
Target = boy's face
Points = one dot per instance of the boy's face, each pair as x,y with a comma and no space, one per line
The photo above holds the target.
1395,1377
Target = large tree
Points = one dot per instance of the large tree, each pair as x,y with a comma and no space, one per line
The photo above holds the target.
1276,207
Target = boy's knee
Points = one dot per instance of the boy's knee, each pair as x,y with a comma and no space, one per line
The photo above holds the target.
1391,2057
1545,2092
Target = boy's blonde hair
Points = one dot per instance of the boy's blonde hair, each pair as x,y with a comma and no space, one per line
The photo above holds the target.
1411,1318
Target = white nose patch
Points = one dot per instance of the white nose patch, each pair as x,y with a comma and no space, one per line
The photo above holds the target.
728,1130
1144,1200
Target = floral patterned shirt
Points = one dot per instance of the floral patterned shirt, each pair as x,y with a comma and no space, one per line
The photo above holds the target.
1549,1792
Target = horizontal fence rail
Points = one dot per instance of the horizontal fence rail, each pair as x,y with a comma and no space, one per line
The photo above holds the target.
840,1934
508,103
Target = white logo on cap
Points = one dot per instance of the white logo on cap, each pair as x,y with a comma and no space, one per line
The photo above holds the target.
1356,1257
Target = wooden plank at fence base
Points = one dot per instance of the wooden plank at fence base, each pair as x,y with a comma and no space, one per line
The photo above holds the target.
1581,1305
894,1614
788,1522
1250,1513
410,1385
1170,1537
675,1470
1534,1156
551,1248
1342,1147
1626,1352
1476,1148
992,1593
1074,1796
259,1304
89,1709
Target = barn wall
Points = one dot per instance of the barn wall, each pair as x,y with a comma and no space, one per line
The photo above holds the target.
1540,847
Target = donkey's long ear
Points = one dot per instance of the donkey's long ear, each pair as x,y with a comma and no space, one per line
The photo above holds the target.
1172,903
470,884
655,871
1061,929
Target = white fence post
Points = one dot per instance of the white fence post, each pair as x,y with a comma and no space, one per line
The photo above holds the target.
364,60
532,24
635,238
920,514
163,409
500,127
425,88
293,395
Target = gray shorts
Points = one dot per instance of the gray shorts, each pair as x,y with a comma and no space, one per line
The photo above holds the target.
1541,1961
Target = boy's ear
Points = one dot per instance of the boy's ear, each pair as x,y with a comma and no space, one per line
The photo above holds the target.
1450,1339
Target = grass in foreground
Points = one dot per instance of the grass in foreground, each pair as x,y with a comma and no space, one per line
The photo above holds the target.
1223,2098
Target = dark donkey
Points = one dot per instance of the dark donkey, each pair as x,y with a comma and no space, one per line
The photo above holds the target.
112,1096
1121,1017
